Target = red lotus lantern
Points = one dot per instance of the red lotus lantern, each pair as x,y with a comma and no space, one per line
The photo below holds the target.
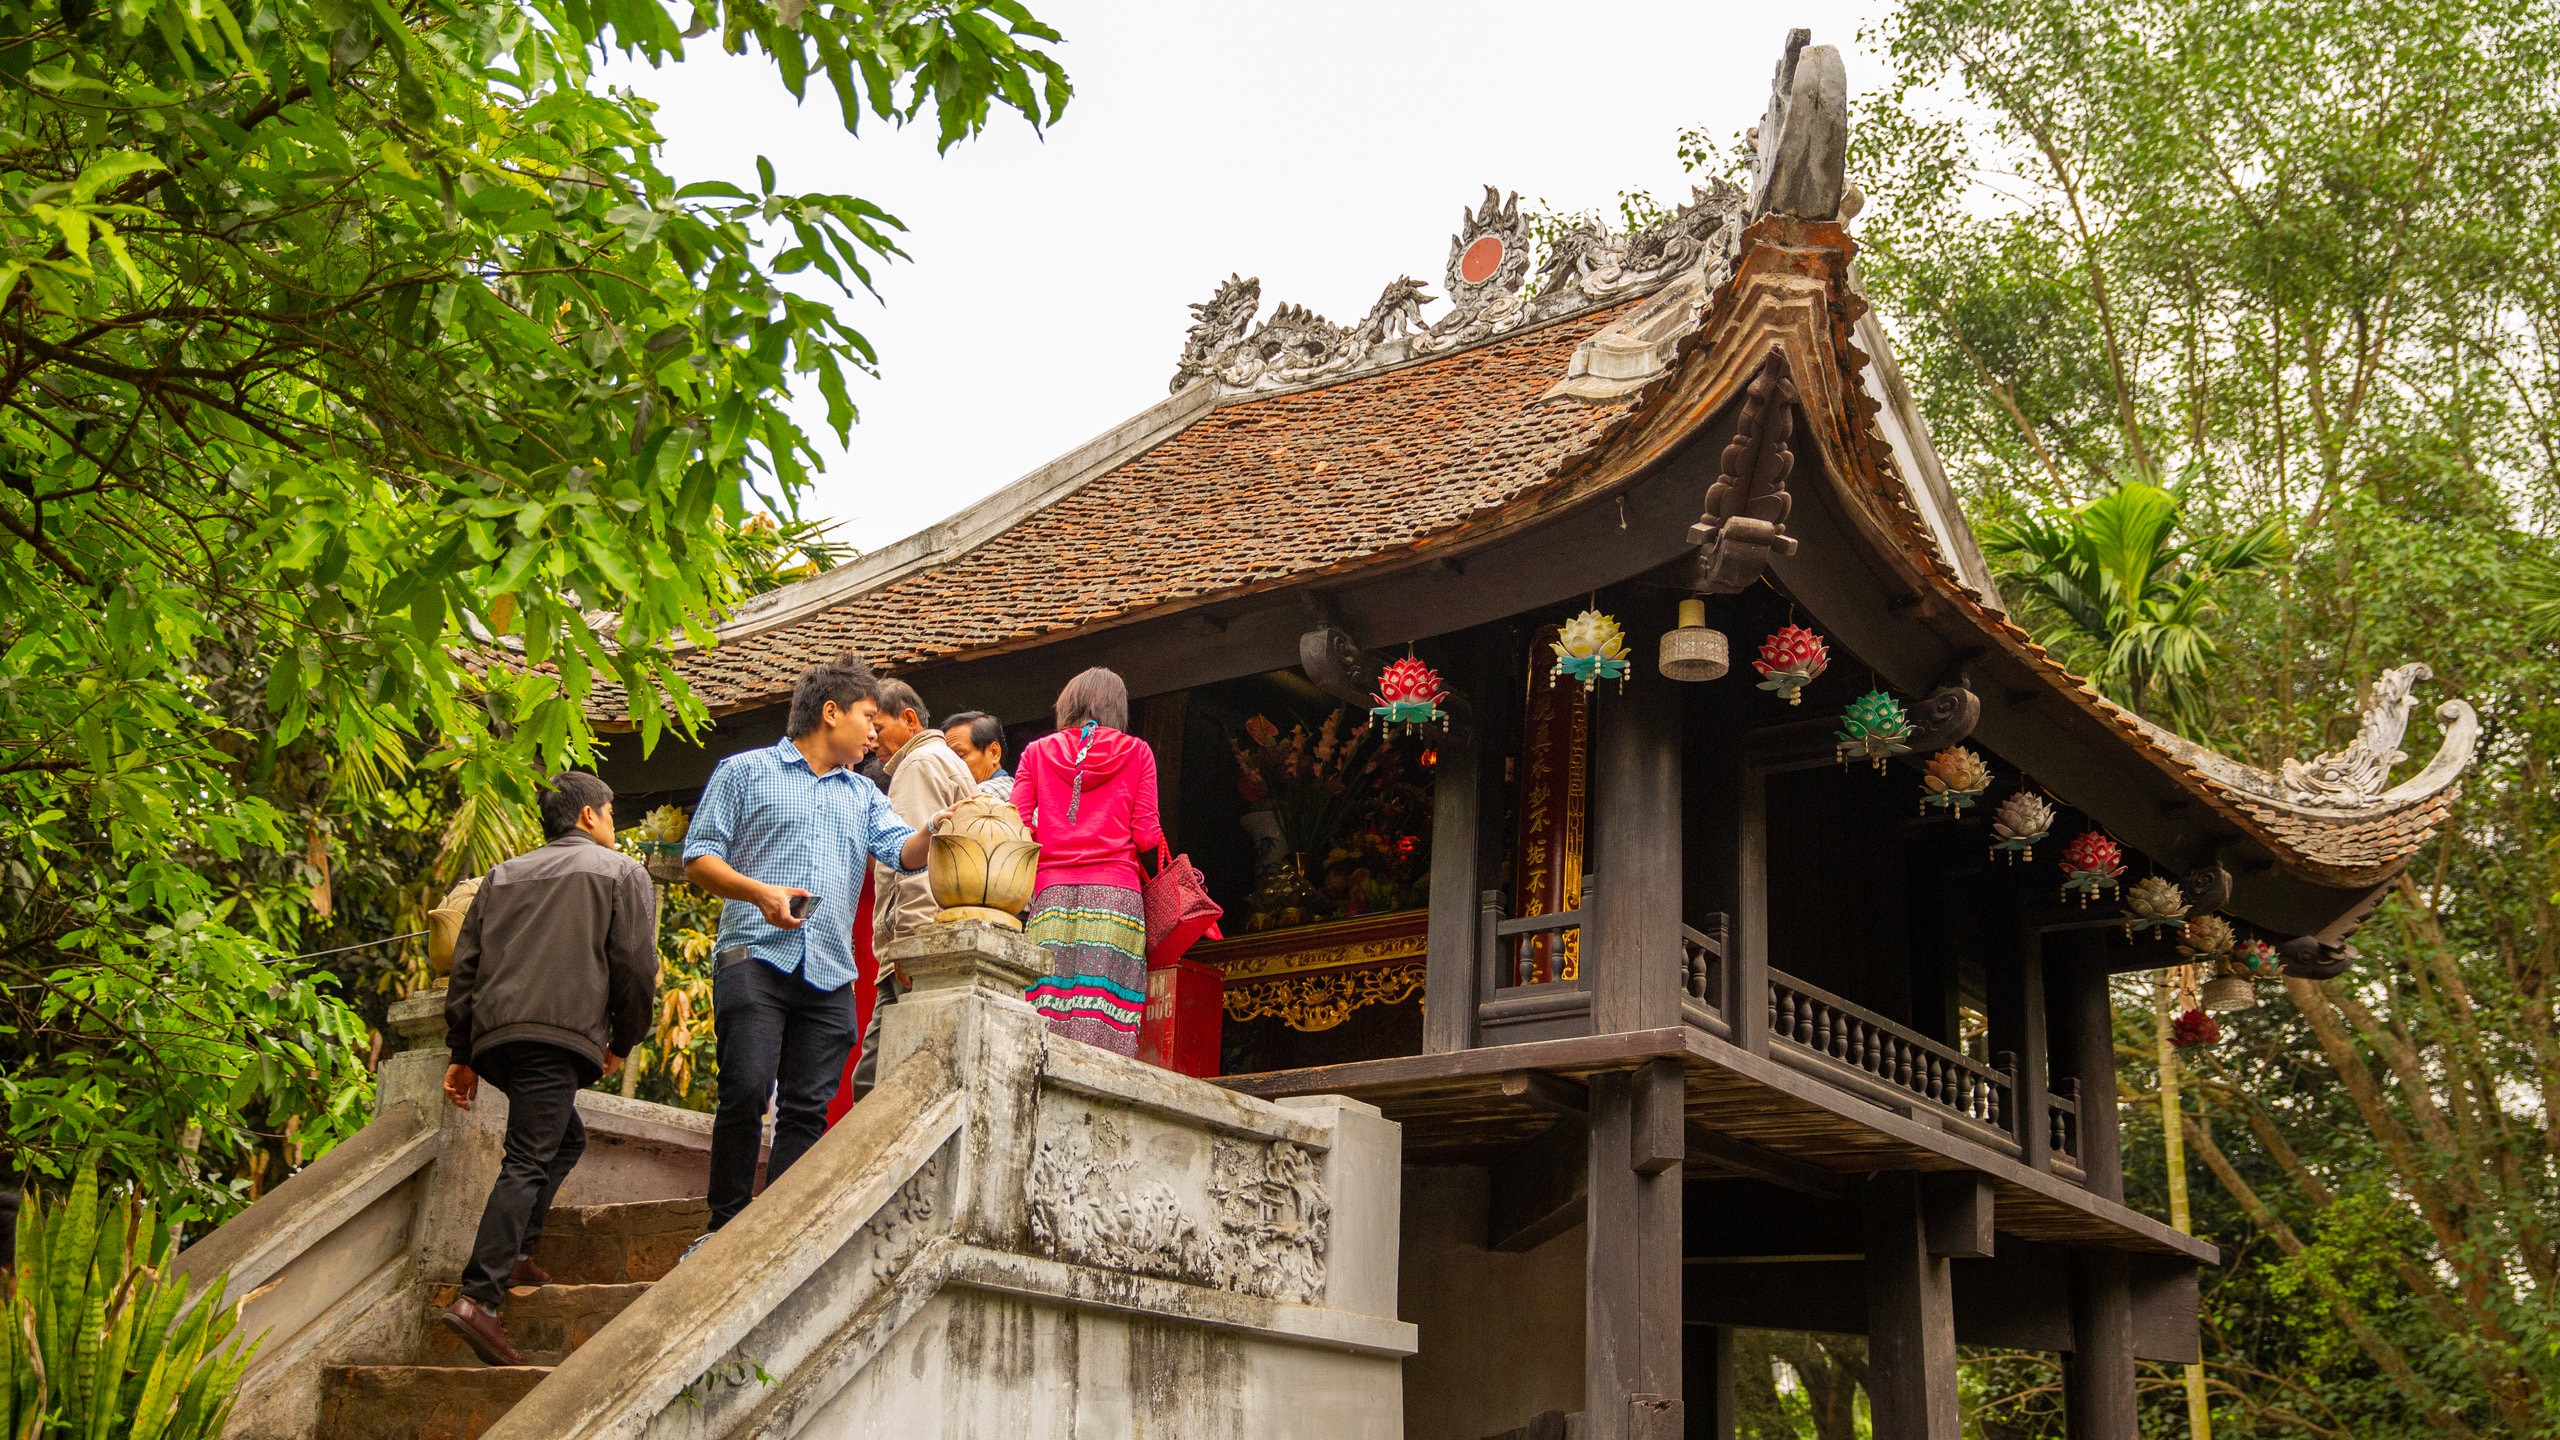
2194,1028
1789,661
1409,695
2091,863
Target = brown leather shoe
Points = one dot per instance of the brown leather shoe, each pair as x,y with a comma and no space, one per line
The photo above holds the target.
481,1330
528,1273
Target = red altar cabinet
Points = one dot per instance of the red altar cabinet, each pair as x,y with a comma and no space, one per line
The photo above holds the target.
1319,994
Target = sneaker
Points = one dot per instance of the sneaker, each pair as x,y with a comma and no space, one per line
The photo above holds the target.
481,1330
527,1273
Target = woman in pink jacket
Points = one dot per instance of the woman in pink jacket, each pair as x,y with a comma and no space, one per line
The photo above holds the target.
1088,792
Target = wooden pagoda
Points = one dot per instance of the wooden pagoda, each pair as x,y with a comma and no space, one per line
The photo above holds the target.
1690,1025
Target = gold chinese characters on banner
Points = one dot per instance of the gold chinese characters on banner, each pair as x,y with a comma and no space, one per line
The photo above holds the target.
1546,862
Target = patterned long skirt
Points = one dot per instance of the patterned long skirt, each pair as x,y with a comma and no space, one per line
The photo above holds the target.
1096,936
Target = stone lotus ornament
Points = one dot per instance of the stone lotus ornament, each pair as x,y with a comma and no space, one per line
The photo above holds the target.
1591,647
2021,821
1874,728
982,862
1956,778
2153,903
1790,660
2090,863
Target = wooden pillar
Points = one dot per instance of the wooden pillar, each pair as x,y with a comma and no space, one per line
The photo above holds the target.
2098,1374
1911,1317
1706,1383
1632,1357
1746,967
1160,722
1634,952
1464,807
2084,1048
2018,1030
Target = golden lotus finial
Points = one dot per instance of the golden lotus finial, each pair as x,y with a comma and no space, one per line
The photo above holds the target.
982,863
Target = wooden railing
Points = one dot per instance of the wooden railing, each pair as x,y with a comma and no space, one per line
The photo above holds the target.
1511,944
2062,1109
1812,1019
1702,976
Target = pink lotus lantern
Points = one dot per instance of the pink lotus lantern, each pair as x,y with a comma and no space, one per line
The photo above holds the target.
2091,863
1789,661
1409,695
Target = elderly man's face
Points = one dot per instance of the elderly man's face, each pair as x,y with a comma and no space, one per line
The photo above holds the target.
982,762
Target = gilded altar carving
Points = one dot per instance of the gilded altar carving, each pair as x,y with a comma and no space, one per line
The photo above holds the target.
1264,1232
1322,1001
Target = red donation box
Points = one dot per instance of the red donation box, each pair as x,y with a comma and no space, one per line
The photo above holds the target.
1186,1004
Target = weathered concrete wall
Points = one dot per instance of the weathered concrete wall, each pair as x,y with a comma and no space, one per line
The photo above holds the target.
975,1363
1500,1334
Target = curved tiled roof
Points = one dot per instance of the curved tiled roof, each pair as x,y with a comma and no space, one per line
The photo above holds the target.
1258,490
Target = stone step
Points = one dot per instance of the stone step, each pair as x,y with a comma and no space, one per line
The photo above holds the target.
619,1244
419,1402
544,1324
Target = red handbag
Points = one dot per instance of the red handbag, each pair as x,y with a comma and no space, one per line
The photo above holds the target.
1179,910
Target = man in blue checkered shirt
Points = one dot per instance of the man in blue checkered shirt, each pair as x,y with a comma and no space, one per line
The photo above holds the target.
783,835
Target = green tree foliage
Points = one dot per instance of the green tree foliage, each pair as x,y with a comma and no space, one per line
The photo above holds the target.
2300,255
2138,596
369,397
100,1339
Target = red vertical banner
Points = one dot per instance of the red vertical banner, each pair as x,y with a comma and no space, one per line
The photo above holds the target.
866,994
1546,859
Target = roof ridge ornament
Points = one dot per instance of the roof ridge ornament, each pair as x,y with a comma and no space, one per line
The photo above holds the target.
2357,775
1800,148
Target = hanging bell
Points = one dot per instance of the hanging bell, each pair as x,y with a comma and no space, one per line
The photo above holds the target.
1694,652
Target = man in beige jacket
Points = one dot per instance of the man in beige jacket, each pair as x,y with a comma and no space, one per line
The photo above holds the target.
925,779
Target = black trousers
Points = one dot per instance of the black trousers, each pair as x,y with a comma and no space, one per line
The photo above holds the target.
782,1038
544,1140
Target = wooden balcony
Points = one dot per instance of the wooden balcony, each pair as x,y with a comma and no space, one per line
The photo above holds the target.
1821,1089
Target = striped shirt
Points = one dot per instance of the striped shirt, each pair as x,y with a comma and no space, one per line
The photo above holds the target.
774,821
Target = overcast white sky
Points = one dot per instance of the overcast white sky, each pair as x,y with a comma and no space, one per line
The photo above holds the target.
1325,147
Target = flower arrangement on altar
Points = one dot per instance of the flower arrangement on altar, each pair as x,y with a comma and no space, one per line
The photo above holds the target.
1351,823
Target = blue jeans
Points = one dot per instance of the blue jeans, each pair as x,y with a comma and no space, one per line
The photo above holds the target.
782,1038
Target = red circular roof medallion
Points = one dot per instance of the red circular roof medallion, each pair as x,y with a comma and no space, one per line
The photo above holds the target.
1482,258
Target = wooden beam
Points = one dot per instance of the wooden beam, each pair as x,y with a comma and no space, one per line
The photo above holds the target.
1911,1318
1958,1207
1460,792
1746,961
1631,950
1706,1382
1632,1278
1538,1191
1548,1092
2084,1048
1758,1162
1658,1140
2098,1374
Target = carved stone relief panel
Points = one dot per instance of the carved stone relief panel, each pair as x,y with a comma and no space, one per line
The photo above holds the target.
1119,1190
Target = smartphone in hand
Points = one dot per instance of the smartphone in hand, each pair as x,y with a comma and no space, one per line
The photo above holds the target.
801,905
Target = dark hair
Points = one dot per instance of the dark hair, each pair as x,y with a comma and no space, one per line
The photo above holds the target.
985,730
842,680
1098,695
898,697
567,794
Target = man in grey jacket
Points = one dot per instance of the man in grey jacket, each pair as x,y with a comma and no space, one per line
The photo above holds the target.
555,976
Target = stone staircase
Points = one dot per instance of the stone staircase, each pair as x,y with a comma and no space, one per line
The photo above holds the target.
1014,1235
601,1259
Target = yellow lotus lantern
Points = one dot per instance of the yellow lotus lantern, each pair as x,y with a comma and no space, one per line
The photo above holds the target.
982,863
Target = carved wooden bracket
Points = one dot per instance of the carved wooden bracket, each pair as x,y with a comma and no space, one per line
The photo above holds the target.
1338,666
1745,523
1944,719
